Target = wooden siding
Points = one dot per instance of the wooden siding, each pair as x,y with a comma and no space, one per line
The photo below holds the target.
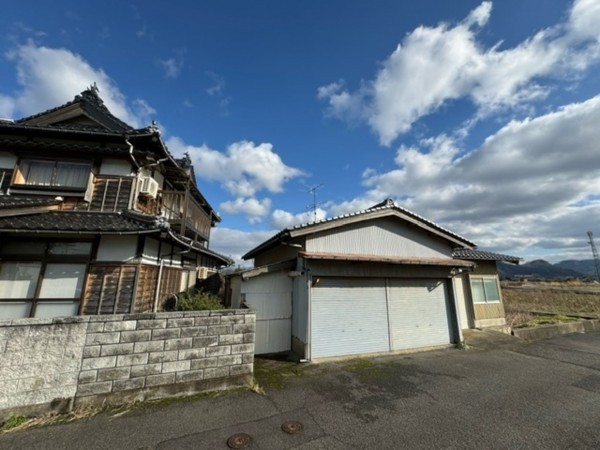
109,289
381,237
488,311
371,269
146,290
170,286
111,193
278,254
485,268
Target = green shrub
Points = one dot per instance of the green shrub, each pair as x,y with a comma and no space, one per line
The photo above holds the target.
198,301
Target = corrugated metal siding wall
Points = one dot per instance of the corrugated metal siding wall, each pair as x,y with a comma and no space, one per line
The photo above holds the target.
271,296
382,237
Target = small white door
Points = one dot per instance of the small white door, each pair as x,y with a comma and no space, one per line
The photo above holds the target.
271,297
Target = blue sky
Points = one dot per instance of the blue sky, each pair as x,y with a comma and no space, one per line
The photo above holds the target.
481,116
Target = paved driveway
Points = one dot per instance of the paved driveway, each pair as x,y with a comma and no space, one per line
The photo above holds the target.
540,395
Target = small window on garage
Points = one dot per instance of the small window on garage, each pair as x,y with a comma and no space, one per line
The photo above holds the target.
485,290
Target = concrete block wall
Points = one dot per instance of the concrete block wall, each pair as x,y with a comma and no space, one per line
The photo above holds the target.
64,362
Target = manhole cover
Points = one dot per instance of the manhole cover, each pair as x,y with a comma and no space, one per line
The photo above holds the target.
292,427
239,440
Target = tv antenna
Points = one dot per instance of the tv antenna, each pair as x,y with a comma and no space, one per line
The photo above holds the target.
595,254
313,190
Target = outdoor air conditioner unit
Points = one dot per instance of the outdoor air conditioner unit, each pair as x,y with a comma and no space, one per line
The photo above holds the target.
202,273
149,187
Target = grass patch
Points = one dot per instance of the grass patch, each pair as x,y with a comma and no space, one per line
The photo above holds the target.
276,374
521,302
359,364
13,422
546,320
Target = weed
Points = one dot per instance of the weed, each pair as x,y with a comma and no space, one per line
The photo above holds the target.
194,300
13,422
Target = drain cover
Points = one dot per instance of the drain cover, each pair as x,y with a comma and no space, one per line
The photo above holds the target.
292,427
239,440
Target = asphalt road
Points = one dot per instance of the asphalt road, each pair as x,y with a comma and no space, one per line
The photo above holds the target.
543,395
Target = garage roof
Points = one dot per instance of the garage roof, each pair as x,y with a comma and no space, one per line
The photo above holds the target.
386,208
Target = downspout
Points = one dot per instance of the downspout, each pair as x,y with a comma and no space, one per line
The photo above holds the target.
157,293
131,154
134,192
308,355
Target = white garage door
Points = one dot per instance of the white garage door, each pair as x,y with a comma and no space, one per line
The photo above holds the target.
349,316
418,313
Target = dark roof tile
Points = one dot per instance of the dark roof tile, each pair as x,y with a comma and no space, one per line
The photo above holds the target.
479,255
76,222
12,201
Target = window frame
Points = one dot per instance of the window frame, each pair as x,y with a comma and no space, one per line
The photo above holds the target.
45,258
483,279
24,165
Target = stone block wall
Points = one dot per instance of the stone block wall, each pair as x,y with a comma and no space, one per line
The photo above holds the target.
64,362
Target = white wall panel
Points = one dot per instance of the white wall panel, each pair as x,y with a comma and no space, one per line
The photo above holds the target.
382,237
117,248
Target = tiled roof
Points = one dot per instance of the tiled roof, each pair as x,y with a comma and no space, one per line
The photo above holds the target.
77,222
11,201
93,105
479,255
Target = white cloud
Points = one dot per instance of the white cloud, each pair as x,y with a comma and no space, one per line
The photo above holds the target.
52,76
236,243
255,210
244,169
171,66
435,65
283,219
534,182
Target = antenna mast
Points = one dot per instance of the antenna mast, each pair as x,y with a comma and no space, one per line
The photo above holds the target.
314,205
595,254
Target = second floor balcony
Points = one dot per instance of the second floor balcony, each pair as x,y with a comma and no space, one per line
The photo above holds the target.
186,215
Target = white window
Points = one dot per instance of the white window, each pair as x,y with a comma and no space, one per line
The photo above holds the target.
55,173
42,278
18,280
485,289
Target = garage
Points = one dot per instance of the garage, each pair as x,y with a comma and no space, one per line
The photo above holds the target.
366,315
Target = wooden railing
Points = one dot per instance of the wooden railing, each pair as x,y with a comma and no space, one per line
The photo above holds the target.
186,215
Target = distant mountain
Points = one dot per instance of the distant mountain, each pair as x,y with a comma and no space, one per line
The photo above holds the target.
540,269
585,266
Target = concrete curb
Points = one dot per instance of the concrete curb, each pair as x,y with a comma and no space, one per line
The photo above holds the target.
548,331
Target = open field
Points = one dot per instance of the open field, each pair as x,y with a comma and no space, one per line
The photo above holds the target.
521,300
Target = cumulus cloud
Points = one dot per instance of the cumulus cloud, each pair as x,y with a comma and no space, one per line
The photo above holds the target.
51,76
534,181
236,243
435,65
243,169
253,208
283,219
